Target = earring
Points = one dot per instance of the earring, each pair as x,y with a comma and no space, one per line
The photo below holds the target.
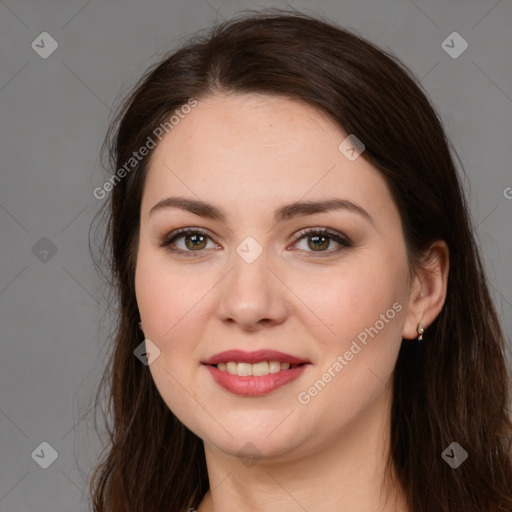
421,330
140,326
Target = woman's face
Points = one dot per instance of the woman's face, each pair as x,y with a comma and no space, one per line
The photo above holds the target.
256,281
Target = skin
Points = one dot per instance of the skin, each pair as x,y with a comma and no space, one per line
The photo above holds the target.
249,154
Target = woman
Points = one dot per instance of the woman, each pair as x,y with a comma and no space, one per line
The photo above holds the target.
304,321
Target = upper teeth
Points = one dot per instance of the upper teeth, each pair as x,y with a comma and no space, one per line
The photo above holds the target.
258,369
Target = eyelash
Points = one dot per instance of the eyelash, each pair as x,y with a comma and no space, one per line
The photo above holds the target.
344,241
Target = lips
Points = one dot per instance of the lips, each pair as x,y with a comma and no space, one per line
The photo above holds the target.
234,370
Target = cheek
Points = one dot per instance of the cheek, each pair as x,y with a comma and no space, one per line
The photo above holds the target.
363,310
166,295
166,301
165,308
350,299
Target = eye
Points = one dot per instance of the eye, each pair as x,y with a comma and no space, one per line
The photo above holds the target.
194,241
319,239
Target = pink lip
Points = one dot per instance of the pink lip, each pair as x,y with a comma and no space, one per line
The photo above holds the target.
254,385
251,385
239,356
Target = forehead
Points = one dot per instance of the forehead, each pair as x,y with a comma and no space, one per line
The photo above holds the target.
258,150
269,120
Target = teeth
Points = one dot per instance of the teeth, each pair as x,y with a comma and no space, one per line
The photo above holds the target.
259,368
248,369
232,368
244,369
274,366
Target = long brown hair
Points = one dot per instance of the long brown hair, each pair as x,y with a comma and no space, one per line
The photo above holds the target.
452,387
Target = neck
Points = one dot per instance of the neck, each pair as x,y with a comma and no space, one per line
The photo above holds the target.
346,475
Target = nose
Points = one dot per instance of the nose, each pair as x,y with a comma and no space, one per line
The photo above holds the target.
252,295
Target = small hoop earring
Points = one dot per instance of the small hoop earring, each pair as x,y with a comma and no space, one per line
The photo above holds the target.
421,330
140,326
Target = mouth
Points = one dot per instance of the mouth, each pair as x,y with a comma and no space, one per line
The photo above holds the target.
254,373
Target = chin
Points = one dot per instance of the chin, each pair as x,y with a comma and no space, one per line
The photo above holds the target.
254,441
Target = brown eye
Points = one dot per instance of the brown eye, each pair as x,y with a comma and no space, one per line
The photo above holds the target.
194,241
319,240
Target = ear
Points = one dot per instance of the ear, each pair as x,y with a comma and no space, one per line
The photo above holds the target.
428,290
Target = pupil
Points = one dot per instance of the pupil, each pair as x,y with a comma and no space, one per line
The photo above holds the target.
195,238
316,238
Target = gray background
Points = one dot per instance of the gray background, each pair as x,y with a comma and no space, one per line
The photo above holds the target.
54,113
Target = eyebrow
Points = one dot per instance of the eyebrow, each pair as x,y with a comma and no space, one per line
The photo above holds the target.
281,214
